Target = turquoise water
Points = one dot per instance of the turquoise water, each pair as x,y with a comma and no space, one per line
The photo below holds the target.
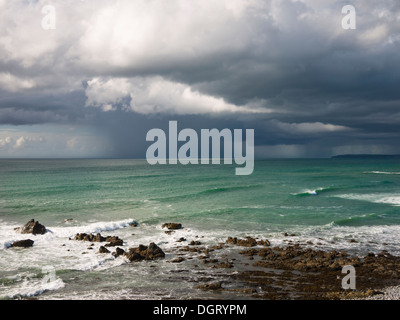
330,199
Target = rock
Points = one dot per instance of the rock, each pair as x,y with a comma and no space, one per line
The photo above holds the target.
248,242
210,286
133,256
145,253
194,243
181,240
103,249
118,252
172,226
23,243
225,264
178,260
33,227
133,224
264,243
154,252
114,241
89,237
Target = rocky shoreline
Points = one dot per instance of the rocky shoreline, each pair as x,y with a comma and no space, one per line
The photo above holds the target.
253,268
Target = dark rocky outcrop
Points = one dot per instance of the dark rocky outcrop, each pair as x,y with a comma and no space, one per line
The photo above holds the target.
194,243
248,242
103,249
113,240
33,227
118,252
172,226
23,243
90,237
142,252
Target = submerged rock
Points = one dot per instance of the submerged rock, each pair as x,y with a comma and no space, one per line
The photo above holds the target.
210,286
23,243
33,227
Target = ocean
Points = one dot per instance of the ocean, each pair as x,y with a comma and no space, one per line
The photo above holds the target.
344,204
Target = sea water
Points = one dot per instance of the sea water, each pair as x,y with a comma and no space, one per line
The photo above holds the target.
325,202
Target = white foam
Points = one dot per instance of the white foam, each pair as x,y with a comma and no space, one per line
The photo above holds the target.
31,287
381,172
388,198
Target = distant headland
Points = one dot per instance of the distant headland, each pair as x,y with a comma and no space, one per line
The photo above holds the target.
367,156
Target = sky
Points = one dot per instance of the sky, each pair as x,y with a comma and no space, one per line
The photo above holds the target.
89,78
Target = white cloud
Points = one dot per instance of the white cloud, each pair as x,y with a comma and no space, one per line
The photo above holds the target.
19,143
157,95
13,83
309,127
46,141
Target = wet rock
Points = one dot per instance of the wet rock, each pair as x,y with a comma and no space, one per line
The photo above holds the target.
178,260
142,252
114,241
33,227
225,264
103,249
172,226
118,252
181,240
248,242
89,237
23,243
194,243
210,286
264,243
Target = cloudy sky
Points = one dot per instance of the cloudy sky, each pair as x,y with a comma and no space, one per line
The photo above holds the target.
112,70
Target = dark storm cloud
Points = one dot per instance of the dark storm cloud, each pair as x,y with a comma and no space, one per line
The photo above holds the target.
286,69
